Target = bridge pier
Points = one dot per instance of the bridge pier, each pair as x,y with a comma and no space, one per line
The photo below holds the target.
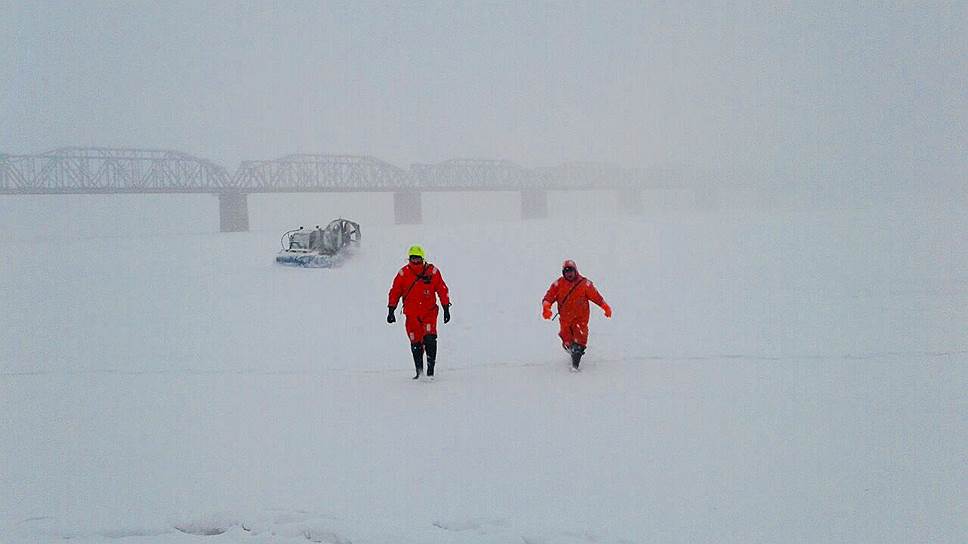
630,201
233,212
407,208
534,204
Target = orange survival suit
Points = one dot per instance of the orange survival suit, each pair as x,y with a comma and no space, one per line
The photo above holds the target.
572,292
419,285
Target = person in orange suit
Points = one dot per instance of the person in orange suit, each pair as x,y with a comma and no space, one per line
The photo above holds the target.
572,292
419,283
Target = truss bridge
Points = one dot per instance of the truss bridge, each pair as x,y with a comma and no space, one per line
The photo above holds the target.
97,170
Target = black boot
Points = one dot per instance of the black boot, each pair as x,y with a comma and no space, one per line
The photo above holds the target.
417,351
577,350
430,346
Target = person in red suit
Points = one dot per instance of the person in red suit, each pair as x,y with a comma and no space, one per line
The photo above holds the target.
572,292
419,284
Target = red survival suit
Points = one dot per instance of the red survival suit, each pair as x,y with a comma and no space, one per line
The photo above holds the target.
572,296
419,285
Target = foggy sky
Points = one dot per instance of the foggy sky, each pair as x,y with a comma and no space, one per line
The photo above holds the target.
871,98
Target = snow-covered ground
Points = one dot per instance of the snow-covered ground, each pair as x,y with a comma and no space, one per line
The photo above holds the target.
767,377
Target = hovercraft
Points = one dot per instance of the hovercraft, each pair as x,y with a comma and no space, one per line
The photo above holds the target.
320,247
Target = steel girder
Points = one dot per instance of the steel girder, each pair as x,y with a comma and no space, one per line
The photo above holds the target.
303,172
500,174
590,175
474,174
109,170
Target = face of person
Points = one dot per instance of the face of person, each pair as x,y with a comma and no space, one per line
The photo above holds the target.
416,260
569,273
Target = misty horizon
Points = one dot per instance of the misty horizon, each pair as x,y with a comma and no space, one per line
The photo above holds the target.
866,101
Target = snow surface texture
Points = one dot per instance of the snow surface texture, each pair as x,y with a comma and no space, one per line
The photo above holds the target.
767,377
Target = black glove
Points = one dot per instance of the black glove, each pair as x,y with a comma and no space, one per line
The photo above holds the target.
446,313
390,317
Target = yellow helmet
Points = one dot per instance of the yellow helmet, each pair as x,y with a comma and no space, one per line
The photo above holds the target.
417,251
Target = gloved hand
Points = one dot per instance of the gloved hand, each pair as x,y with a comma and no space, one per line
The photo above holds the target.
390,317
608,310
446,313
546,312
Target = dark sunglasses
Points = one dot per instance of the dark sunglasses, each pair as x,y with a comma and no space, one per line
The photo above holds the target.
416,258
567,269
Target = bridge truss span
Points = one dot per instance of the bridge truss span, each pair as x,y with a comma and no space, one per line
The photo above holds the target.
474,174
589,175
321,173
75,170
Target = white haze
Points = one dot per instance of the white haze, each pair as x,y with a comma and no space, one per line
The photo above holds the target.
787,364
836,103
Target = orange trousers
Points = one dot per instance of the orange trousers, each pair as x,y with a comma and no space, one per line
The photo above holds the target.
574,331
421,325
